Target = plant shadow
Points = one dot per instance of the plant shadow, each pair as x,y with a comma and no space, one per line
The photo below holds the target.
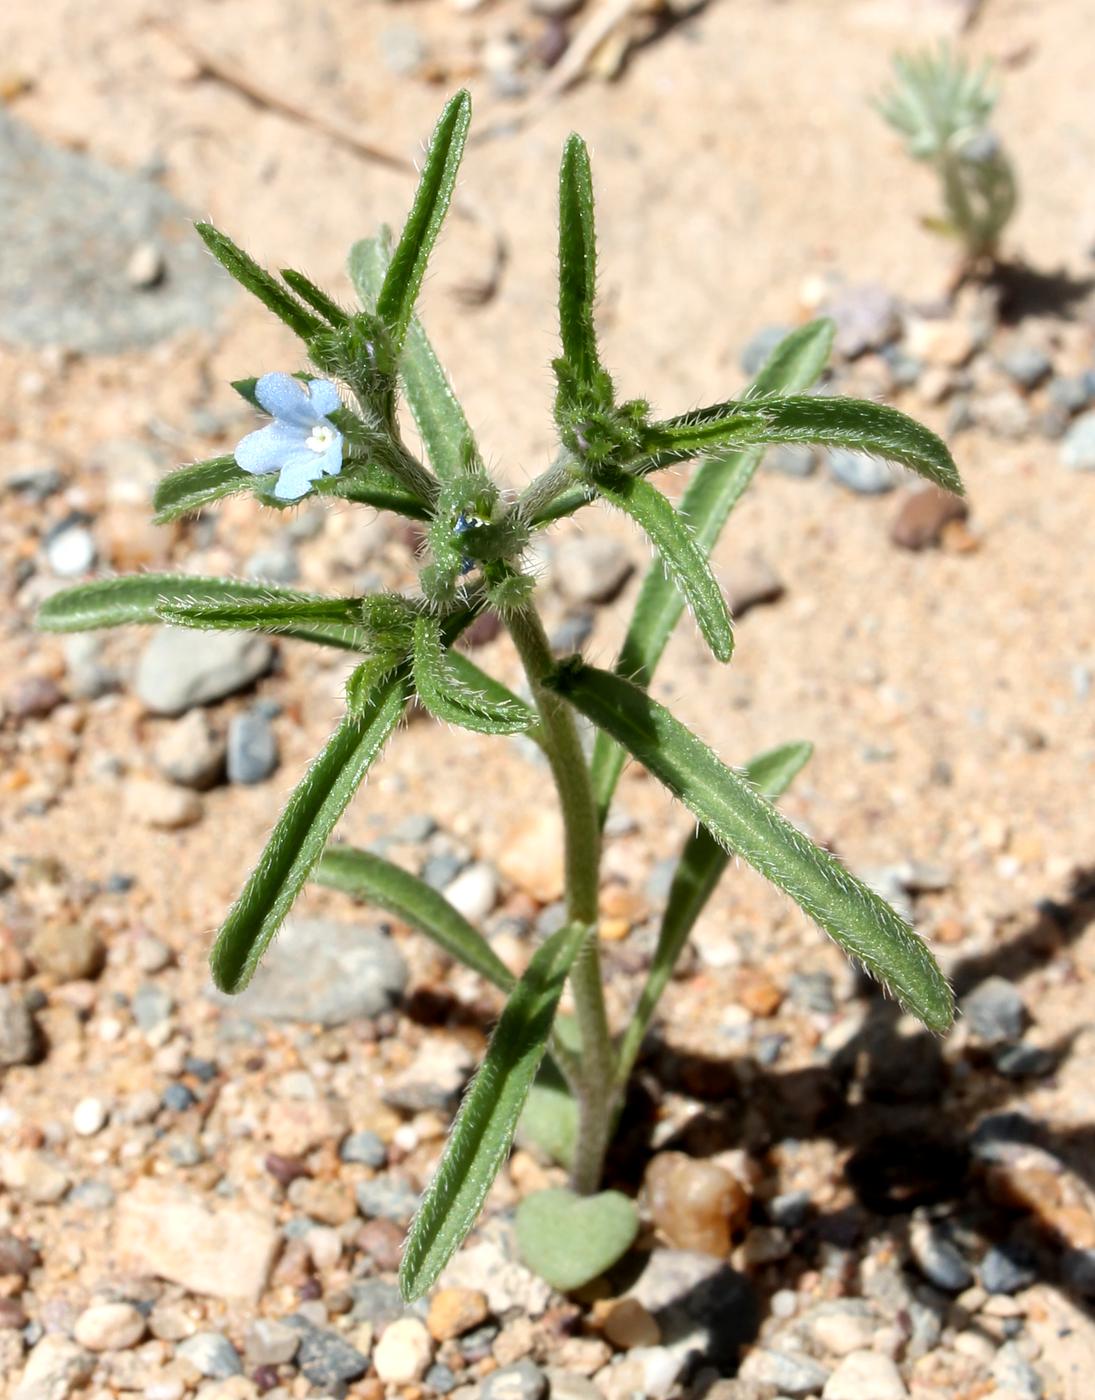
923,1131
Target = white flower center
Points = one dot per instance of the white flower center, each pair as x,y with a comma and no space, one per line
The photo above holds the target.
320,438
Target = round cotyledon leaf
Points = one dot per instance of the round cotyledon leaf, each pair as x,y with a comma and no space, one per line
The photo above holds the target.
569,1239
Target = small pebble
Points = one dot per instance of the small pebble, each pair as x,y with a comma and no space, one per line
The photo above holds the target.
146,267
252,748
387,1198
160,805
1078,444
89,1117
1007,1269
69,952
70,550
269,1342
792,1374
865,1375
151,1006
191,753
995,1012
20,1043
109,1327
867,476
454,1311
33,697
474,892
404,1352
1028,365
938,1259
524,1380
695,1204
212,1354
922,516
17,1257
792,459
364,1147
326,1359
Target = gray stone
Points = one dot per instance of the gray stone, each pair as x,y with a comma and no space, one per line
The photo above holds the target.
325,1358
1024,1061
793,1374
1007,1269
867,318
68,227
1004,413
1078,444
435,1078
181,668
792,459
995,1012
1028,365
1073,392
591,568
365,1147
151,1006
252,748
790,1209
415,829
212,1354
441,1379
375,1302
191,753
938,1259
20,1043
387,1198
759,347
321,970
867,476
812,991
521,1381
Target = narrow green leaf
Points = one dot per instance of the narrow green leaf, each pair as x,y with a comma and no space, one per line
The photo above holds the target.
332,621
258,281
141,598
695,879
448,695
685,562
747,825
377,881
399,292
316,298
187,489
435,408
830,422
484,1127
301,834
716,486
577,263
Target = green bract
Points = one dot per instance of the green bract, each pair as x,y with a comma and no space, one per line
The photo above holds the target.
568,1073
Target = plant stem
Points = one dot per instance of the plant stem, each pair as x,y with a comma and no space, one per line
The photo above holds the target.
582,844
538,495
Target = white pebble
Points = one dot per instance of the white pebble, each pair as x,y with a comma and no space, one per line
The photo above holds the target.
404,1352
89,1117
109,1327
474,892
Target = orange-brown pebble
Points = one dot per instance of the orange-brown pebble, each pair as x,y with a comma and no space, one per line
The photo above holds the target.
454,1311
757,992
695,1204
628,1324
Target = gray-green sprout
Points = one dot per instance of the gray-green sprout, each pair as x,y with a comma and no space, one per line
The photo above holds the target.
941,107
567,1075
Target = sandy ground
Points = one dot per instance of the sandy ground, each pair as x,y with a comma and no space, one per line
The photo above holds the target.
735,160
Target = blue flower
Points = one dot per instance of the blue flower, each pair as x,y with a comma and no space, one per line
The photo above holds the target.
301,443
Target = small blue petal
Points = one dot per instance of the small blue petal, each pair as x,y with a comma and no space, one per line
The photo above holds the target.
329,461
287,400
296,478
267,449
325,397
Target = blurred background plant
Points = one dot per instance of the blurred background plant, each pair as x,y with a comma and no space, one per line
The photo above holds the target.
941,106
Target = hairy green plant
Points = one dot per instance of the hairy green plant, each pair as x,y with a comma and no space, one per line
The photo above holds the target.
339,434
941,106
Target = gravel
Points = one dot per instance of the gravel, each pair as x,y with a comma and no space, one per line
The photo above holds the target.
325,971
181,668
252,748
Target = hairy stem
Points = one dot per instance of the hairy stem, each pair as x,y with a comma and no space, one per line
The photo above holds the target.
582,844
536,499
